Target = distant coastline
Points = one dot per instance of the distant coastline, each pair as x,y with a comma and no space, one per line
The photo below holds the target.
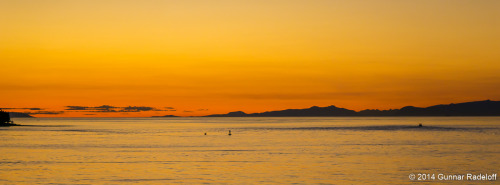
476,108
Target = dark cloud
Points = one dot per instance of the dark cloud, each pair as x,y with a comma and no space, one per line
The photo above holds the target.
103,111
109,108
138,109
188,111
202,110
102,108
76,108
45,112
106,108
32,108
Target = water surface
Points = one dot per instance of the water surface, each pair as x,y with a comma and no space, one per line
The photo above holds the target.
344,150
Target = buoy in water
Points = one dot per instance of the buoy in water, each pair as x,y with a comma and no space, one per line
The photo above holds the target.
229,133
420,125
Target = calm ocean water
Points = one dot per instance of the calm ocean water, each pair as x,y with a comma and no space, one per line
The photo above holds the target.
259,151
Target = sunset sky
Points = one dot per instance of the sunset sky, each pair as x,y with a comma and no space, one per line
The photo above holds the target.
75,58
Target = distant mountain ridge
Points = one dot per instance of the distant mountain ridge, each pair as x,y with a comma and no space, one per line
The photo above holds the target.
477,108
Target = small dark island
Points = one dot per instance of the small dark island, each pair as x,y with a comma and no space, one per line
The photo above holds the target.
5,119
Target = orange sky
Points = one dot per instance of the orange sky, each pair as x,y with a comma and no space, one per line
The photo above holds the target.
205,57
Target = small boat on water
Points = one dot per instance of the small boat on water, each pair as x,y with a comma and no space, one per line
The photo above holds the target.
5,119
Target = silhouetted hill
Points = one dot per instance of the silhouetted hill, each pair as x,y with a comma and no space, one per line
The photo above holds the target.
231,114
313,111
19,115
478,108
